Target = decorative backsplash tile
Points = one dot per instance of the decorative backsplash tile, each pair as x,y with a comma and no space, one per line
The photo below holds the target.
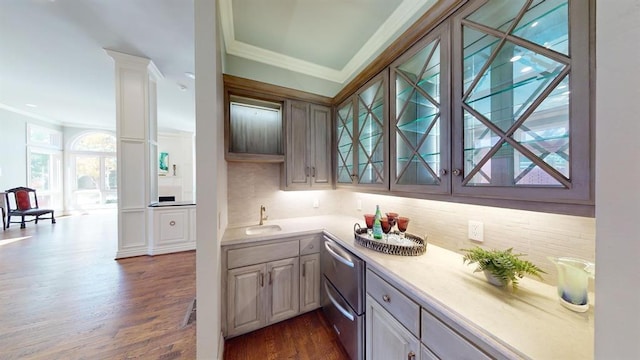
536,234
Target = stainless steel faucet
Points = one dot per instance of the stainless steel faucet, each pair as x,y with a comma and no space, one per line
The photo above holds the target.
263,217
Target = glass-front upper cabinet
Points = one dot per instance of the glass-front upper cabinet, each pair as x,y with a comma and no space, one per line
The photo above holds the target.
362,154
521,109
420,121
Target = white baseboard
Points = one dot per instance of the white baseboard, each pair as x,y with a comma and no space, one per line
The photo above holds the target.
221,347
171,249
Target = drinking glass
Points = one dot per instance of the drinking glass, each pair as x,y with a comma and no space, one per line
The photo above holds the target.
403,223
386,227
393,218
368,219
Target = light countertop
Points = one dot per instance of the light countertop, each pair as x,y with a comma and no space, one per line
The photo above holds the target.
531,322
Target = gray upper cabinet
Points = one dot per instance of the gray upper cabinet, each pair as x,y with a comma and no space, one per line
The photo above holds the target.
308,152
521,109
420,116
362,136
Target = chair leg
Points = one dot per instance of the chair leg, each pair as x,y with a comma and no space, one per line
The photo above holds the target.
22,225
37,218
8,220
53,219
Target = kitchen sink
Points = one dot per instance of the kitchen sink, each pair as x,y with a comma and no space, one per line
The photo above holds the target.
262,229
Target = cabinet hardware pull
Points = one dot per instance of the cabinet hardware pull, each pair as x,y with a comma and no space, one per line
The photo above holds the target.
269,277
411,355
304,269
386,298
313,171
443,172
261,279
457,172
172,223
306,171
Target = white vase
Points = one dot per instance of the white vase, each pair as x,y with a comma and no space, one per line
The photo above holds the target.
492,279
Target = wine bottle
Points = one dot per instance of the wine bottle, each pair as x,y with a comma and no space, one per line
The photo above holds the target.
377,225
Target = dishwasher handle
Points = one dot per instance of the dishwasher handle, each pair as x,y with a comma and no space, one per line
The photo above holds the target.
334,252
342,310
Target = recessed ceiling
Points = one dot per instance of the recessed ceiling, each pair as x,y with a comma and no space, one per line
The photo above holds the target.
52,51
327,39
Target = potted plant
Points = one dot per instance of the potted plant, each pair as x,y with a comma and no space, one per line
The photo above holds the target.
501,266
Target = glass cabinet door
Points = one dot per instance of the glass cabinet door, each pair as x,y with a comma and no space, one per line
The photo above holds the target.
372,128
344,138
420,117
521,101
361,136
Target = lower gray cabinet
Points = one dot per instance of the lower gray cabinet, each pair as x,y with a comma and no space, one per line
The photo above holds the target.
426,354
309,282
262,294
445,343
386,338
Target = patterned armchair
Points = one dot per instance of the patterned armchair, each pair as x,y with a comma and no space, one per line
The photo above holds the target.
23,202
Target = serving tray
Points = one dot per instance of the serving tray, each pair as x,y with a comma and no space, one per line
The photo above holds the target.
394,244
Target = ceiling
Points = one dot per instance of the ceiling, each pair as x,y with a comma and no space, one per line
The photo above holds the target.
52,51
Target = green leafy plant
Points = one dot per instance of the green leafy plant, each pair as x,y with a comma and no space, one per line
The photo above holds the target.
504,265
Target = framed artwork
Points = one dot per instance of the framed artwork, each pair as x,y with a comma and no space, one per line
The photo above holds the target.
164,163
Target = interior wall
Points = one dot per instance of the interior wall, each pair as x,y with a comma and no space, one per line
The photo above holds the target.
210,191
13,171
13,163
617,321
180,147
254,184
445,224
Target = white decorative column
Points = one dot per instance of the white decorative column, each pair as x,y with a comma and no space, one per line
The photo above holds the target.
136,131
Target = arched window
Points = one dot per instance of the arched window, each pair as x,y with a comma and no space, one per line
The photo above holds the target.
94,170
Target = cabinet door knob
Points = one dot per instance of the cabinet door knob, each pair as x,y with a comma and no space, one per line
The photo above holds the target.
457,172
172,223
443,172
411,355
386,298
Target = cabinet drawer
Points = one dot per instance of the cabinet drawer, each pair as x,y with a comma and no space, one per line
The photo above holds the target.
446,343
396,303
261,253
310,245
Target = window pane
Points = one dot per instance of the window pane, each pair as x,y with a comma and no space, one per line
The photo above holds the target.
96,142
40,171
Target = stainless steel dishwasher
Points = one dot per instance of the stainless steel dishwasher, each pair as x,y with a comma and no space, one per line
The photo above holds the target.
343,295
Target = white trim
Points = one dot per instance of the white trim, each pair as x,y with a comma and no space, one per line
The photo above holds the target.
220,346
399,18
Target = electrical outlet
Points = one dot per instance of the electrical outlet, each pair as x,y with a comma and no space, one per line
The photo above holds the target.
316,203
476,230
359,205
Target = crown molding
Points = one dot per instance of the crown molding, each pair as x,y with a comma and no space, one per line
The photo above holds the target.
382,36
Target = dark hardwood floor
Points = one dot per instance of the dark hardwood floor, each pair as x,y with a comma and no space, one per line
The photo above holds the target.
63,296
306,337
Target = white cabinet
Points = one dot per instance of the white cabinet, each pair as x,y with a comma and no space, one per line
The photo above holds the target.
309,282
262,294
386,338
172,229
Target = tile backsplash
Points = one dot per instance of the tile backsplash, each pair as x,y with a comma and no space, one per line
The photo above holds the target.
445,224
251,185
